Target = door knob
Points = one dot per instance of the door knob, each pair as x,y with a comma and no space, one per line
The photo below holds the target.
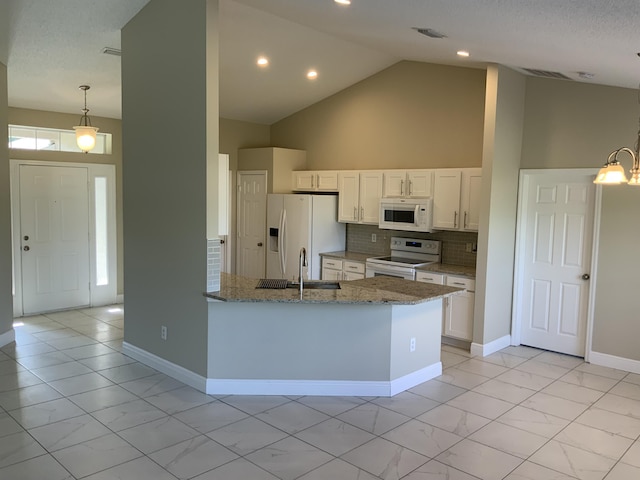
26,237
586,276
259,244
26,248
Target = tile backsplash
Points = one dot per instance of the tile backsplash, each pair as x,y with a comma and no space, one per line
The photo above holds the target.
454,244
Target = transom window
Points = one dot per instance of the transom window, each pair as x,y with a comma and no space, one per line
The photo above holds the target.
53,139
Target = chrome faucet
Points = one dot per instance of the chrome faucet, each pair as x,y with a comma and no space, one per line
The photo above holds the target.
302,262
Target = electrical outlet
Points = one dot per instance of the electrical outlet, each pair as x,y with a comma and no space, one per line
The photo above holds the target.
163,332
374,238
412,344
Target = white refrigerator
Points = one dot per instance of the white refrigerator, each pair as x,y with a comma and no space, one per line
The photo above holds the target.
295,221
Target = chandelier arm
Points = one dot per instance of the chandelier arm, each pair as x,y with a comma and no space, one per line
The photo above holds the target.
634,157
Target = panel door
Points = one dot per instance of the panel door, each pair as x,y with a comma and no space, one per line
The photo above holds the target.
349,188
251,224
557,237
419,183
446,199
54,233
303,181
327,181
370,195
470,198
458,321
394,183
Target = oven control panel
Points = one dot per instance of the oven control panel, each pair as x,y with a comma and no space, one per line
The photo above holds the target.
417,245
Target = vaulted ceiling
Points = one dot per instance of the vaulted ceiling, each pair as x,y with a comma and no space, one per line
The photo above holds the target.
52,47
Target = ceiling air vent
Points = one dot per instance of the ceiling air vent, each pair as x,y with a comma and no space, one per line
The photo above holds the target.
112,51
429,32
546,73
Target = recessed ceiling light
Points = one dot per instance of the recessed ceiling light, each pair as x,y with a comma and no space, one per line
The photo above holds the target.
262,61
312,74
343,2
462,53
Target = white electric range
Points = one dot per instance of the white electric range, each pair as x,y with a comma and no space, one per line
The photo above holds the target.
407,254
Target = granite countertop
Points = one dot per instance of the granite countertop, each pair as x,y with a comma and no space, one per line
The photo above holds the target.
347,255
370,291
459,270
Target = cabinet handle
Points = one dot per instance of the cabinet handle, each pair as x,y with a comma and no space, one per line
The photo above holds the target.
465,220
455,219
410,188
401,187
361,214
458,283
312,177
355,213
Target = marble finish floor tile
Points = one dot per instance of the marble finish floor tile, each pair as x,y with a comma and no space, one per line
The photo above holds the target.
373,418
46,413
193,457
385,459
289,459
247,436
494,417
95,455
572,461
476,459
454,420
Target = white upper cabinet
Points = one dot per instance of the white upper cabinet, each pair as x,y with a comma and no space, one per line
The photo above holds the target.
408,183
359,196
315,181
456,199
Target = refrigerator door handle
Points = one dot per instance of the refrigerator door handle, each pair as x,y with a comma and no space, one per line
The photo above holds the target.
283,248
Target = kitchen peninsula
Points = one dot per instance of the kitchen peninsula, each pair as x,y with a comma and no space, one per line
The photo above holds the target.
372,337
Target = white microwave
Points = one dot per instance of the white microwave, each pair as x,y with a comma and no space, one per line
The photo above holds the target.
415,215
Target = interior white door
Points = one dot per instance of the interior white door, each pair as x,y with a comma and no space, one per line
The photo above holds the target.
54,233
555,238
251,223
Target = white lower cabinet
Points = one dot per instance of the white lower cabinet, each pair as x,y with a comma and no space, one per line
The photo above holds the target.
335,269
457,315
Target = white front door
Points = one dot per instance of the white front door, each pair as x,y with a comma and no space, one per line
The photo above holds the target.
555,239
54,238
251,224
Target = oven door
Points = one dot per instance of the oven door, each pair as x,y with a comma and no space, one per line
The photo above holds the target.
378,270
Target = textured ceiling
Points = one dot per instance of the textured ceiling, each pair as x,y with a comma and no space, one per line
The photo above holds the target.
51,47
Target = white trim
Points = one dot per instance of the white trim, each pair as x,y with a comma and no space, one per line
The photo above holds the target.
611,361
176,371
591,302
482,350
519,259
7,338
100,295
231,386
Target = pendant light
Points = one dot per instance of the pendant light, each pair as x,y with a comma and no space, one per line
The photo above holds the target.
85,132
612,172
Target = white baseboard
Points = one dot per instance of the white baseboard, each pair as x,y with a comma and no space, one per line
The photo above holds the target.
484,349
168,368
7,337
611,361
223,386
120,298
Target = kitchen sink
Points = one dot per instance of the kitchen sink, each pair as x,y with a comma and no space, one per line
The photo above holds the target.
315,285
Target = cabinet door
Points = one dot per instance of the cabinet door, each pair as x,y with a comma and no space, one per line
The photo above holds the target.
370,194
353,276
394,183
470,198
330,274
326,181
419,183
303,181
446,199
428,277
348,191
458,322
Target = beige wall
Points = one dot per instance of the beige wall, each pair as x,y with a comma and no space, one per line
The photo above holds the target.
572,125
6,300
410,115
235,134
39,118
503,129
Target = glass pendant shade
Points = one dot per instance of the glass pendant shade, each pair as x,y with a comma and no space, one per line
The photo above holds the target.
611,174
635,178
86,137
